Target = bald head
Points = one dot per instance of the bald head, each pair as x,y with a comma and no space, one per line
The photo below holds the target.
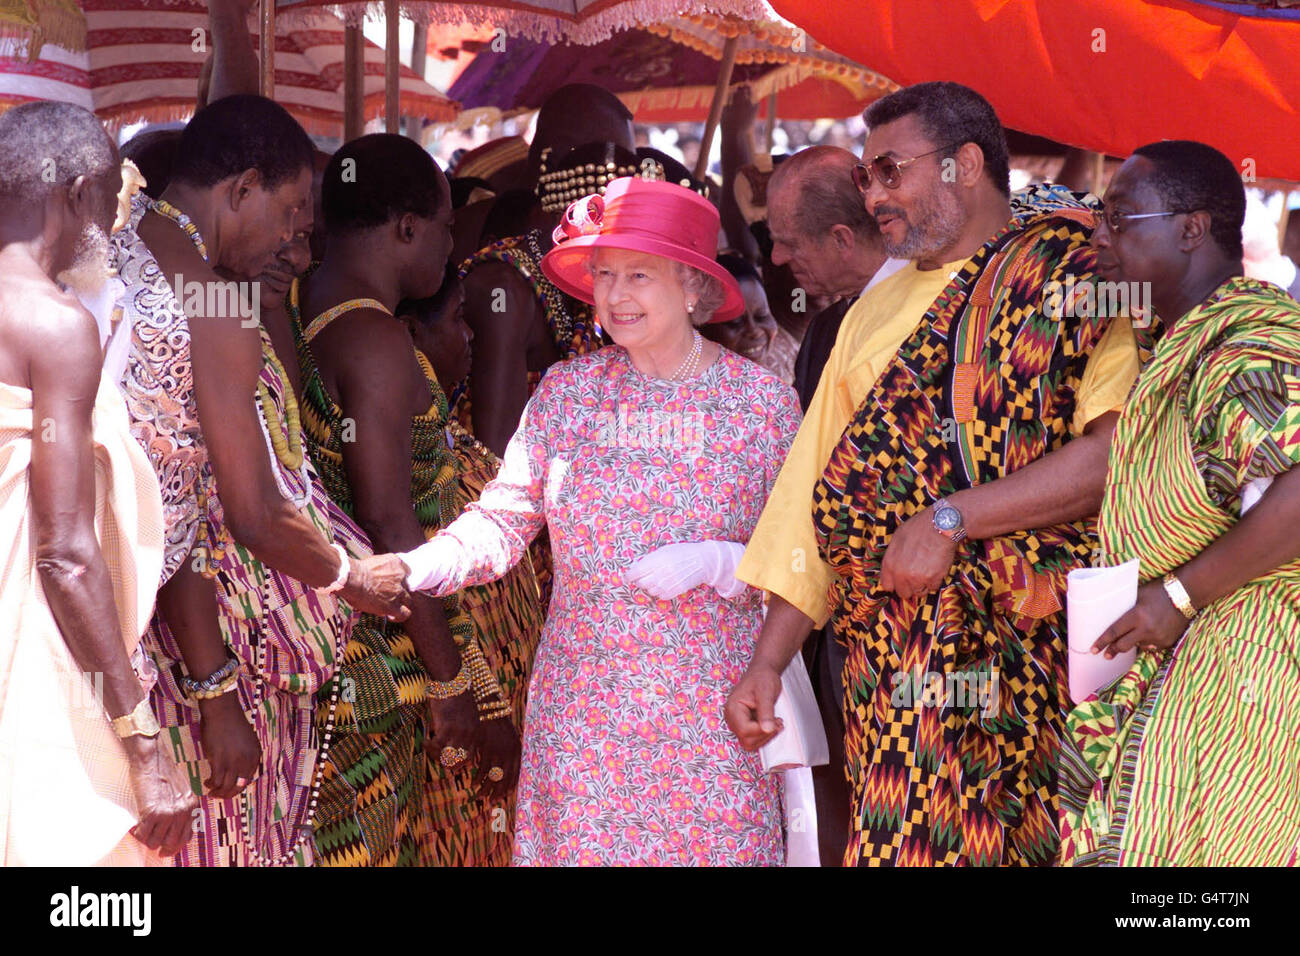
819,223
816,184
580,113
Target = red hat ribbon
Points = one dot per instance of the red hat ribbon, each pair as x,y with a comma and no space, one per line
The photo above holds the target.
582,218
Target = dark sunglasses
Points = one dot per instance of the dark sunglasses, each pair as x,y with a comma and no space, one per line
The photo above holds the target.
887,169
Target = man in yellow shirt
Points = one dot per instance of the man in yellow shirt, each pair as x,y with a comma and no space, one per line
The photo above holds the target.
941,487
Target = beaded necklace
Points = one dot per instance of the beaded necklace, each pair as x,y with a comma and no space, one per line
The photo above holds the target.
165,209
290,454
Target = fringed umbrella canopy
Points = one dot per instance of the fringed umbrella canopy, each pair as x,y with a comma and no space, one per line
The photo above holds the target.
667,71
27,25
577,21
142,62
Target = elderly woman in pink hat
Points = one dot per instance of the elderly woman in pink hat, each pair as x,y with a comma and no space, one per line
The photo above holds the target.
650,461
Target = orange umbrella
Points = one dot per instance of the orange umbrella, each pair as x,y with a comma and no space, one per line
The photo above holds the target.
1108,75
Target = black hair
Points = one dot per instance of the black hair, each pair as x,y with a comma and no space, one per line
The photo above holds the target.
428,311
950,114
47,144
238,133
510,215
1191,176
374,179
739,267
462,187
154,153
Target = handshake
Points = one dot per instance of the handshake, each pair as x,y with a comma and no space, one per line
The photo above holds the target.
377,585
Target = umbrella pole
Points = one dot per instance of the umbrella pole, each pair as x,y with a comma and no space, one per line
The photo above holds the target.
266,39
419,47
771,121
353,92
1098,173
392,61
719,100
1283,217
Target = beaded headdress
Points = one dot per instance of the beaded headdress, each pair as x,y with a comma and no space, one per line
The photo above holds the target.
588,168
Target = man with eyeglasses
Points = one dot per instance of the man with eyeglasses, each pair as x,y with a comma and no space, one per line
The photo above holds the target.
1192,759
952,459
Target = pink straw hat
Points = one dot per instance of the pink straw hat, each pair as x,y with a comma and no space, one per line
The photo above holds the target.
642,215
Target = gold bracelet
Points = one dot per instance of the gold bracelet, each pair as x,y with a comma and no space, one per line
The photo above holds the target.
446,689
1178,594
495,711
481,677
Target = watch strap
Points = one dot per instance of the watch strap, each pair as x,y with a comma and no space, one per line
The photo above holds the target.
1178,594
955,535
139,722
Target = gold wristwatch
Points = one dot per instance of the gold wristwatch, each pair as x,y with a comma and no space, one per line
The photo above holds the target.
140,722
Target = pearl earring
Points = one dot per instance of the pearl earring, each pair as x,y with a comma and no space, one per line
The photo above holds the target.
690,306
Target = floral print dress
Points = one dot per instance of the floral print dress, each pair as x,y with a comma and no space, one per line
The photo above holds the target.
626,756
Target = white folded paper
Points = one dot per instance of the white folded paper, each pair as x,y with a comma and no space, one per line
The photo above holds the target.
1095,599
802,741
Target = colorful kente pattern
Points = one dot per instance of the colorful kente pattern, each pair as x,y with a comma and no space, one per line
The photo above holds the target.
382,803
288,637
964,774
1192,759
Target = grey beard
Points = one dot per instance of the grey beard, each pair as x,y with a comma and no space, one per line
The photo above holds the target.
89,270
937,227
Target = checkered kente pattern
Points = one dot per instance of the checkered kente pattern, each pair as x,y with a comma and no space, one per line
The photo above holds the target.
962,771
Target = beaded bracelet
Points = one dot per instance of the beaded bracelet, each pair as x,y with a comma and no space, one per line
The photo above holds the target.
484,683
446,689
495,710
219,682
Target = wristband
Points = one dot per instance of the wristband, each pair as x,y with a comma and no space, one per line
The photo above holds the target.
345,569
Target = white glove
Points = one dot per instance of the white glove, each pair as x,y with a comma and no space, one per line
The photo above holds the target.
431,564
676,568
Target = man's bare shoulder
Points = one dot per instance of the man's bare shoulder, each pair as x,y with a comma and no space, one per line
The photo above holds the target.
43,326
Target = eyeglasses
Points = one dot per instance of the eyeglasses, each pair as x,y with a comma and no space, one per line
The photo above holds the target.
1115,220
889,170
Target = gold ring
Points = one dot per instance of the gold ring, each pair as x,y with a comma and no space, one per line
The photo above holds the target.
496,774
451,756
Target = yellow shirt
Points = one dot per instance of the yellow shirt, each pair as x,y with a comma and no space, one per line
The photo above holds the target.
782,555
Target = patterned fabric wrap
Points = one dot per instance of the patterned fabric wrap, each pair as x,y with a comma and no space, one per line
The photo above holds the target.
954,700
159,388
508,619
288,638
1191,758
379,804
574,329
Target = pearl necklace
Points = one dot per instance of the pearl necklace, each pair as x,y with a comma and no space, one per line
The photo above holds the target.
691,364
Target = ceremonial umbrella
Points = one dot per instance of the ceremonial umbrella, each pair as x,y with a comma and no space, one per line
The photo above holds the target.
574,21
665,72
142,62
1108,75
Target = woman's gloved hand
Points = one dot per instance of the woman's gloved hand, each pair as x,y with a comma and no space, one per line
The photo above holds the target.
676,568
